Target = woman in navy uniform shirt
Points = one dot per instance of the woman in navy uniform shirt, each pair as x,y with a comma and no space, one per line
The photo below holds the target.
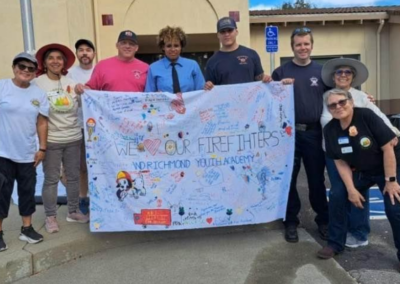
360,143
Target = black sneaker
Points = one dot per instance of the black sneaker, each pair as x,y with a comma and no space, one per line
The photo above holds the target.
28,234
3,245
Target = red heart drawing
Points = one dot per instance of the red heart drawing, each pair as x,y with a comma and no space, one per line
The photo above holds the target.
152,145
178,104
209,220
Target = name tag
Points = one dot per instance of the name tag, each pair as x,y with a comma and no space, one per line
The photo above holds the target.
343,140
346,150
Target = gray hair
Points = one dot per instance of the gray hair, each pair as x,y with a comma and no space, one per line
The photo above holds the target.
337,91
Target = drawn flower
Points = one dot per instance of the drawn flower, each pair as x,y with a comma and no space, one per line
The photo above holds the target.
140,147
353,131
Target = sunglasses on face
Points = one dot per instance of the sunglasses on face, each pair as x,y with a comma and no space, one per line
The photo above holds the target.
340,103
301,31
345,72
22,67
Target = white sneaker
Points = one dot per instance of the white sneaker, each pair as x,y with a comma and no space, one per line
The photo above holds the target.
352,242
51,225
77,217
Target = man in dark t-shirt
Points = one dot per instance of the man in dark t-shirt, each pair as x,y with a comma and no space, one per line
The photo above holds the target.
308,101
233,63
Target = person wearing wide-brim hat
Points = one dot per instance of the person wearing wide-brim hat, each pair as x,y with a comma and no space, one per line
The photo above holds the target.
23,117
64,135
43,52
346,74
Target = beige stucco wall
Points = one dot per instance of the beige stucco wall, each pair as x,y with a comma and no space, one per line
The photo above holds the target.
65,21
147,17
345,39
11,43
394,55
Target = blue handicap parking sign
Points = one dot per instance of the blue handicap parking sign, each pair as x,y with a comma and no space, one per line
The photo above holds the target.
376,204
271,38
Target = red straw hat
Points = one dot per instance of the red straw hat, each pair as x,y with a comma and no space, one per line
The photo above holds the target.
65,50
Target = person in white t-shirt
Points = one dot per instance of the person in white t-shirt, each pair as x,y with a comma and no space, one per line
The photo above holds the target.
85,53
64,135
23,116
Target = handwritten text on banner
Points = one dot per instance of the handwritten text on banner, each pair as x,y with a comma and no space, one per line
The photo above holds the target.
159,161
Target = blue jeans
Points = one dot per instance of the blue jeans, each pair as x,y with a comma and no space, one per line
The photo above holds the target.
344,216
363,182
308,146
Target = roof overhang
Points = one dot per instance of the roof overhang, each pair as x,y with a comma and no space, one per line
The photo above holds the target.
324,18
394,19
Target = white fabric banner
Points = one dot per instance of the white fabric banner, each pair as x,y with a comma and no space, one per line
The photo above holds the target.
160,161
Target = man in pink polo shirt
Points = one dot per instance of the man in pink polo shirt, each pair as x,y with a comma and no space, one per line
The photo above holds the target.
121,73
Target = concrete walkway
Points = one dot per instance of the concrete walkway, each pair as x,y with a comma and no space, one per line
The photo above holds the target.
245,254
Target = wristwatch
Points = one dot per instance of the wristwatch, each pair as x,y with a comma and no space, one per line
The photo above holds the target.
390,179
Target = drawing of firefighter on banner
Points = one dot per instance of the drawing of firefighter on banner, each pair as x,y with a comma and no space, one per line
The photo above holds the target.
160,161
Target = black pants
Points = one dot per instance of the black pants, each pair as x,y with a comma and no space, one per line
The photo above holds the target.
25,175
309,148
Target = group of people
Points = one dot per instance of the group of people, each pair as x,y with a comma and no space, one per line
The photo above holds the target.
360,146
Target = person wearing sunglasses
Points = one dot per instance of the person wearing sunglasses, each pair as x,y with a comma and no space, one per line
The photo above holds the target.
233,63
305,74
173,73
23,118
360,143
64,135
346,74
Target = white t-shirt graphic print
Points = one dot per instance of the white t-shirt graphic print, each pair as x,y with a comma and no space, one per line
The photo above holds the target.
63,116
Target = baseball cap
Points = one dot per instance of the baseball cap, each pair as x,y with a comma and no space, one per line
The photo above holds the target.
127,35
226,23
86,42
27,56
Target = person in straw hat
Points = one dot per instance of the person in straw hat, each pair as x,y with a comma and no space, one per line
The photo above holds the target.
64,135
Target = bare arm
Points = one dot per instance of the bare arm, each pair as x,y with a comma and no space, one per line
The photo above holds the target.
80,88
41,125
389,163
346,174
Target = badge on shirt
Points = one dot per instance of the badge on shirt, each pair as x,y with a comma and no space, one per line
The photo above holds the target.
347,150
343,140
35,103
365,142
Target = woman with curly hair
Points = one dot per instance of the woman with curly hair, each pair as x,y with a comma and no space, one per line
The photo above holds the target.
173,73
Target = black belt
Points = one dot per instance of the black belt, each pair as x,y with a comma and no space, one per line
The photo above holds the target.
309,126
